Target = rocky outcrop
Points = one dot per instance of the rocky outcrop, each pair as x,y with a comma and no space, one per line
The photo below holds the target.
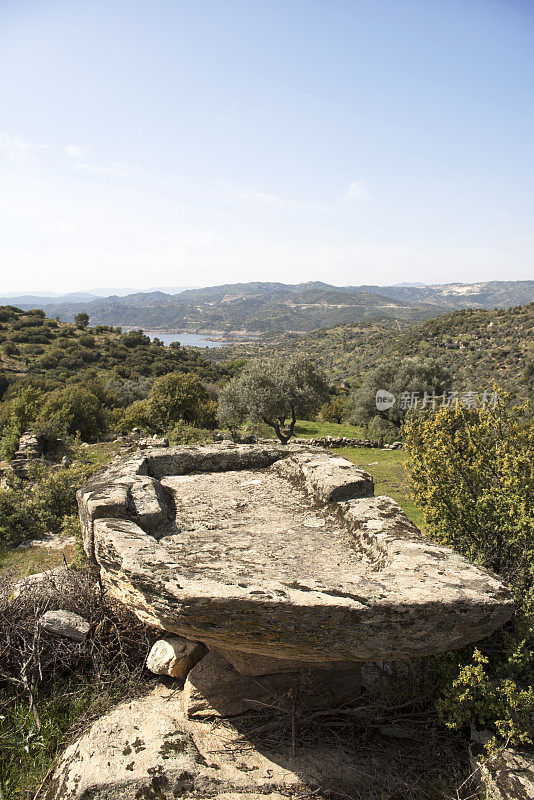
148,748
292,562
31,448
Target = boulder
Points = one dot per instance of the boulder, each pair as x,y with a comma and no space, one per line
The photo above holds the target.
174,656
147,748
43,584
214,688
65,623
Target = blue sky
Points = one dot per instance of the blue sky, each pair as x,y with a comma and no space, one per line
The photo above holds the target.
174,143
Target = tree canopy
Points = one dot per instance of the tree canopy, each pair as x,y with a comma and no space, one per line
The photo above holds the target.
274,391
81,320
409,378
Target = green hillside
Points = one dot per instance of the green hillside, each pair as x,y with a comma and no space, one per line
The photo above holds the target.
478,346
31,344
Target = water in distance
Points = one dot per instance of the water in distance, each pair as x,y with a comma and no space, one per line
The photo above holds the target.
186,339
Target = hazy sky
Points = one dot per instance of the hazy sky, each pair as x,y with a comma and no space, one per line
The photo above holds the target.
163,142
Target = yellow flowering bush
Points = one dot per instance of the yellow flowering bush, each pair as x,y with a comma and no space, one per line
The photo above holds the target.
472,473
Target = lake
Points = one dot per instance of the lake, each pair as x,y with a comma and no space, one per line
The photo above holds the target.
186,339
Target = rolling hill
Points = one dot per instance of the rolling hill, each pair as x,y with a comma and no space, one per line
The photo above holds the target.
479,347
276,307
32,345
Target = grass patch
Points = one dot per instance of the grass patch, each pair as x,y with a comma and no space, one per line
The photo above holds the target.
388,468
28,560
311,430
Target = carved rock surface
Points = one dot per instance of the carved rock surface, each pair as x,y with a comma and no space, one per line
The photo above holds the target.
278,552
174,656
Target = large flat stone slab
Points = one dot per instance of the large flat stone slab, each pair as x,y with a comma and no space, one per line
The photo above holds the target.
281,552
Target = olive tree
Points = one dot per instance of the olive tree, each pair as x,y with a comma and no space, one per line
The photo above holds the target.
409,377
274,391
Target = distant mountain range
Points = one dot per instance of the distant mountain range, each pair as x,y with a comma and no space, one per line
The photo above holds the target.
268,307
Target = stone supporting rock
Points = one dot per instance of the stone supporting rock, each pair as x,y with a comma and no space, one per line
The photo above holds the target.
174,656
213,688
254,664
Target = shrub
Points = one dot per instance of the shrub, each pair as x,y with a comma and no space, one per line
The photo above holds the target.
71,410
335,410
10,348
180,396
472,473
182,433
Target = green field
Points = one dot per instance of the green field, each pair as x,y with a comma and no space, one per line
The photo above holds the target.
388,468
309,430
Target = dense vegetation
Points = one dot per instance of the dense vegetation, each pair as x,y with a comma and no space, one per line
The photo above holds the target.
472,474
32,344
64,379
478,347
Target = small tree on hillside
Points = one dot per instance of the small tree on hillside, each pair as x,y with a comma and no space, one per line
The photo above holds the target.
81,320
335,410
180,396
273,391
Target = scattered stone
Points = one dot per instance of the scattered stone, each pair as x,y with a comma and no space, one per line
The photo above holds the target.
52,541
65,623
174,656
214,688
336,441
153,441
